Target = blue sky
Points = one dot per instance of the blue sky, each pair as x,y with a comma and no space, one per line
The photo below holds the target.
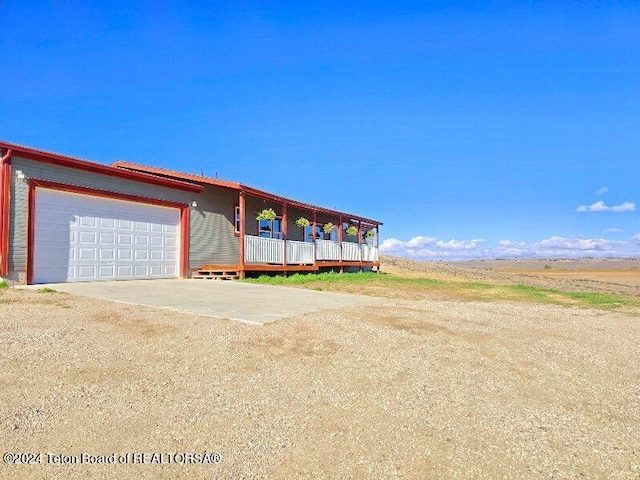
471,129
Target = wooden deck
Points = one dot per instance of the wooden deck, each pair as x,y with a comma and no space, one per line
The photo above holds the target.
234,272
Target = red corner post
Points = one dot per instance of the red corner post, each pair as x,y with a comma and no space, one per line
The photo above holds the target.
241,203
5,199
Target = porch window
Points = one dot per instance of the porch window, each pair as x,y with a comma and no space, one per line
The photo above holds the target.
270,228
236,217
308,233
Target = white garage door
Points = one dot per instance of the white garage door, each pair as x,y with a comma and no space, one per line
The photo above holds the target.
82,238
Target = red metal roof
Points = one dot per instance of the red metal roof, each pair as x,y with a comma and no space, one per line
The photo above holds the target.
240,187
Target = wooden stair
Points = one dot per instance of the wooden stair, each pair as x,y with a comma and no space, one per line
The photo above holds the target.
217,272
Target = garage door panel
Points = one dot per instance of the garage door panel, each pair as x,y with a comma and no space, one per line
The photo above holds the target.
87,254
107,238
107,254
84,238
87,272
87,237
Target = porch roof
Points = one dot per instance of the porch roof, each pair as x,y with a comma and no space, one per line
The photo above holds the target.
239,187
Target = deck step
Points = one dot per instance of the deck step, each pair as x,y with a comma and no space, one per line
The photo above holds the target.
216,277
211,272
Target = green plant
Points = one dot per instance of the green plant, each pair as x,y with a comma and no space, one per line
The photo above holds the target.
370,233
3,284
352,231
303,222
327,227
46,290
267,214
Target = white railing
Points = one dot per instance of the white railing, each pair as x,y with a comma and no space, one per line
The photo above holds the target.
351,252
263,250
272,250
299,253
327,250
369,253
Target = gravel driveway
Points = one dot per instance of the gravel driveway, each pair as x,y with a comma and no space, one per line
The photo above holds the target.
409,389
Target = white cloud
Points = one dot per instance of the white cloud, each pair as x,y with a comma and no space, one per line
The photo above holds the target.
422,247
391,245
419,242
600,206
430,248
612,230
574,243
602,191
416,243
460,244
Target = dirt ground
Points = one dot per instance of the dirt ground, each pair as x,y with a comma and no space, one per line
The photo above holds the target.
615,276
413,389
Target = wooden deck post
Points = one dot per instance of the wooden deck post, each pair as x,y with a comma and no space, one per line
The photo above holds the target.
340,241
241,203
378,245
314,227
284,234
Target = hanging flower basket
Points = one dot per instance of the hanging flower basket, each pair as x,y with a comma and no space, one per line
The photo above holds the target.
303,222
370,233
352,231
267,214
327,227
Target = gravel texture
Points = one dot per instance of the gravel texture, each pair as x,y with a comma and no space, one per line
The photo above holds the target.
410,389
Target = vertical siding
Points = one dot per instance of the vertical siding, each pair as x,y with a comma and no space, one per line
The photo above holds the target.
211,238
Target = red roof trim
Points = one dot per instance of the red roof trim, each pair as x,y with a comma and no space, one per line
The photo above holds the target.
240,187
72,162
129,166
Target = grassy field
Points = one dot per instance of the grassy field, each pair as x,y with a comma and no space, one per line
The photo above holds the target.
415,287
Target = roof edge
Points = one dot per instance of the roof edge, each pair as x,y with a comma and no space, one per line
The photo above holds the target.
238,186
80,164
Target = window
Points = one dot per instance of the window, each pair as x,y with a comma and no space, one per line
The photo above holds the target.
270,228
308,233
236,219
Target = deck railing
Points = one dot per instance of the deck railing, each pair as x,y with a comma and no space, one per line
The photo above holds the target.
351,252
263,250
327,250
369,253
300,253
272,251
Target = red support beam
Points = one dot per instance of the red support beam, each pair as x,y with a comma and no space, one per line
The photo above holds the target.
5,209
315,225
241,202
284,232
185,218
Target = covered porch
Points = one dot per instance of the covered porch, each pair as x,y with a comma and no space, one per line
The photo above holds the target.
281,235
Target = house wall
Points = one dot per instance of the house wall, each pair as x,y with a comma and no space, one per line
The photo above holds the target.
212,221
211,236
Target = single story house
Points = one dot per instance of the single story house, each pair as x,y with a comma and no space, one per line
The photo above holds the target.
63,219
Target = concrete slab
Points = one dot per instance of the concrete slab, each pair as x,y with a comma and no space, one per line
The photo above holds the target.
255,304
